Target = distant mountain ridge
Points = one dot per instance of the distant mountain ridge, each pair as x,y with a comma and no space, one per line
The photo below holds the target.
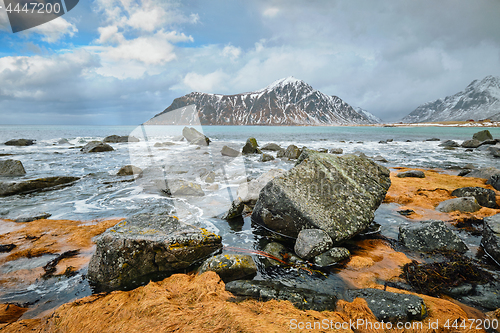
479,100
288,101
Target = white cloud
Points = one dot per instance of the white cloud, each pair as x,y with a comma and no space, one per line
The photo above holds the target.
53,30
109,34
271,12
231,52
211,82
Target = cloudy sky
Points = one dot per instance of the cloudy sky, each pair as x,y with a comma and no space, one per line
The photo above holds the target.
122,61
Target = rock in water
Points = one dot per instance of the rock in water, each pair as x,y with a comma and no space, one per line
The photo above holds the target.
20,142
266,158
471,143
338,151
35,185
271,147
96,147
429,236
464,205
484,196
228,151
293,152
145,247
195,137
250,147
491,237
449,143
11,168
482,136
338,195
119,139
494,180
129,170
33,217
332,256
230,267
311,242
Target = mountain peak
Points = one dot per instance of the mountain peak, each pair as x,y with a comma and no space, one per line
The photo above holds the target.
487,83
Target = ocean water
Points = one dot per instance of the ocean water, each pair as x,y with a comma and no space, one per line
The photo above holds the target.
100,193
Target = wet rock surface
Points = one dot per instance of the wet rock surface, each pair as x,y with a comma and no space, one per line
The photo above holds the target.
483,172
32,217
96,147
429,236
129,170
230,267
292,152
491,237
304,299
120,139
449,143
147,246
474,143
311,242
485,197
464,205
393,307
336,194
228,151
266,158
332,256
411,173
35,185
251,147
271,147
11,168
20,142
194,137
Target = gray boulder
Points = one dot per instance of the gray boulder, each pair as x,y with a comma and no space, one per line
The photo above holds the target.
292,152
278,250
120,139
249,192
194,137
11,168
411,173
147,246
482,136
474,143
129,170
35,185
433,139
304,299
379,158
20,142
338,151
62,141
491,237
96,147
271,147
266,158
228,151
484,196
336,194
332,256
429,236
185,188
281,153
483,172
32,217
251,147
494,180
391,307
495,151
230,267
464,205
449,143
311,242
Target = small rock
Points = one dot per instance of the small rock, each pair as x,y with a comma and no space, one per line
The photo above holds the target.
491,237
464,205
379,158
271,147
471,143
406,212
33,217
433,139
411,173
383,141
20,142
292,152
210,178
250,147
129,170
332,256
429,236
449,143
482,136
230,267
120,139
11,168
62,141
393,307
96,147
228,151
336,151
484,196
234,211
266,158
495,151
322,150
185,188
311,242
278,250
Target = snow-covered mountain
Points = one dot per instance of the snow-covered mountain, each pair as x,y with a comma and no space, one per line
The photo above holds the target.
287,101
480,100
370,116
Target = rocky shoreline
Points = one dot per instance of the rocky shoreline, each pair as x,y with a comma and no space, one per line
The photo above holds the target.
318,218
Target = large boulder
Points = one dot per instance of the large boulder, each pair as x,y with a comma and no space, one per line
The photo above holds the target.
484,196
35,185
194,137
494,180
11,168
392,307
491,237
228,151
230,267
96,147
484,173
311,242
336,194
20,142
250,147
482,136
292,152
464,205
119,139
429,236
304,299
145,247
474,143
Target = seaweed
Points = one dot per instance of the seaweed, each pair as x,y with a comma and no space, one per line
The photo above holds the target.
438,278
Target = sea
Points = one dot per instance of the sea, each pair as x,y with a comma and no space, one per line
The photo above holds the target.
101,194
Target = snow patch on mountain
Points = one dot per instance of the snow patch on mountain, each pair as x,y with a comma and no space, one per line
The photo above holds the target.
370,116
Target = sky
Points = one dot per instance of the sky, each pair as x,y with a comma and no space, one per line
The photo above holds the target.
120,62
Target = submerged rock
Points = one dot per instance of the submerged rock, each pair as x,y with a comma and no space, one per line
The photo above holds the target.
336,194
484,196
185,188
449,143
266,158
119,139
380,158
230,267
96,147
20,142
35,185
195,137
129,170
464,205
311,242
482,135
392,307
304,299
147,246
429,236
332,256
11,168
271,147
411,173
33,217
491,237
228,151
251,147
